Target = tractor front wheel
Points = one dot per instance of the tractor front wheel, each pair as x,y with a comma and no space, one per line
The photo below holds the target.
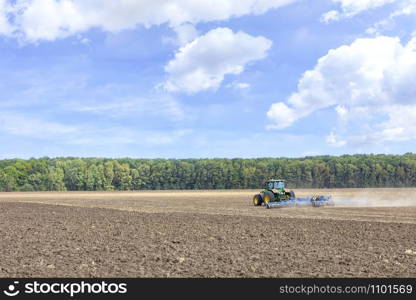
268,197
257,200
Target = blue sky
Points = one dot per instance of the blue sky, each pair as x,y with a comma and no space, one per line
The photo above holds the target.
179,79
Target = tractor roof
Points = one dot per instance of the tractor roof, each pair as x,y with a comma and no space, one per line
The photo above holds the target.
276,180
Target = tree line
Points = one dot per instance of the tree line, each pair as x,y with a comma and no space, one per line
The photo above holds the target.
100,174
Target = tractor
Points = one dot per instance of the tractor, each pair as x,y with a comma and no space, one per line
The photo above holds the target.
275,194
274,191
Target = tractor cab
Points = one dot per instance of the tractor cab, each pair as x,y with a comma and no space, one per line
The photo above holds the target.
275,185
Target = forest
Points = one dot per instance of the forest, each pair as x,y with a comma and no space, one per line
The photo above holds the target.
102,174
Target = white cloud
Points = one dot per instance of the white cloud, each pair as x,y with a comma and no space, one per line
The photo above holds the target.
374,78
203,63
5,27
350,8
165,107
121,135
332,15
400,125
405,8
185,33
282,115
334,140
35,20
52,19
20,125
341,111
16,124
238,85
242,85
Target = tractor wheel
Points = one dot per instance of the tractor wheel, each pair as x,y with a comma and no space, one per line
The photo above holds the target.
268,197
257,200
292,195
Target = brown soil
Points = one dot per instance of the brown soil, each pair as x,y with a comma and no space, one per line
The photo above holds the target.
201,234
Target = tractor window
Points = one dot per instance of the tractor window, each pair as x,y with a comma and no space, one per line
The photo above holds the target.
279,185
275,185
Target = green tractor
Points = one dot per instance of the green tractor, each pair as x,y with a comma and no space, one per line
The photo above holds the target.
274,191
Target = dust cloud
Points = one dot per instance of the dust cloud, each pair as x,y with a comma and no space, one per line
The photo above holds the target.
370,198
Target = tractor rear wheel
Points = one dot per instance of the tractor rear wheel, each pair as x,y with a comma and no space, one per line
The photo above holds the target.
268,197
257,200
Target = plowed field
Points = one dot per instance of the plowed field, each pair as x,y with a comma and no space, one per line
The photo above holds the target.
369,232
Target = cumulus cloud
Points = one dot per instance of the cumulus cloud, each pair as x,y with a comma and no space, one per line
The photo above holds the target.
203,63
401,124
51,19
374,78
36,20
350,8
